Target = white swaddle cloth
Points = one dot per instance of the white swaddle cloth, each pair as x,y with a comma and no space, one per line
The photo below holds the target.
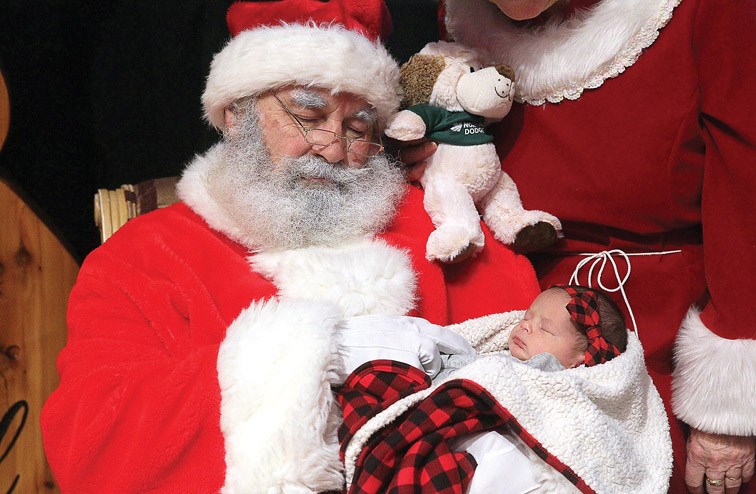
606,422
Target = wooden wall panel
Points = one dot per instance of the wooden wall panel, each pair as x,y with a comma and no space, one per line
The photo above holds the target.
36,276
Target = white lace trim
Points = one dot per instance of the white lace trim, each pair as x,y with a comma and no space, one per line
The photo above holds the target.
627,57
555,46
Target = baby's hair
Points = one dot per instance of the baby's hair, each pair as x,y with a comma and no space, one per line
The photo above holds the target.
613,325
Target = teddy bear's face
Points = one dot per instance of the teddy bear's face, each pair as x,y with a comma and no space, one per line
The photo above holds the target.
462,82
487,92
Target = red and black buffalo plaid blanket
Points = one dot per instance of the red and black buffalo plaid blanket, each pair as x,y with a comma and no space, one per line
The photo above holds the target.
412,453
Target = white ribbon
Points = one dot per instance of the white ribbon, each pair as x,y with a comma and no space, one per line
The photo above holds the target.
600,260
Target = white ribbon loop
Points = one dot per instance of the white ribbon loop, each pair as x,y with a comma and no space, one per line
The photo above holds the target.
600,260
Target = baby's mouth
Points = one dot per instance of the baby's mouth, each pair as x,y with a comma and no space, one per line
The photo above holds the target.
518,342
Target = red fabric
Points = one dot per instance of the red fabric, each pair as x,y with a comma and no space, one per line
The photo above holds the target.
370,389
640,164
369,17
411,454
442,33
137,409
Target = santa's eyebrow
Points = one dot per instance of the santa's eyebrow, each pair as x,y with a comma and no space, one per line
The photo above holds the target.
368,115
308,99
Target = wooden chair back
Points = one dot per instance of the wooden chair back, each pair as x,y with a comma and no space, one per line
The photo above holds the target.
114,207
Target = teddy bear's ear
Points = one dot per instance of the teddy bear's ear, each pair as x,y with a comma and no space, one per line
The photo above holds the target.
418,76
506,71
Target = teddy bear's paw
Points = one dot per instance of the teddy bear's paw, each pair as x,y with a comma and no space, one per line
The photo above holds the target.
535,237
453,243
405,126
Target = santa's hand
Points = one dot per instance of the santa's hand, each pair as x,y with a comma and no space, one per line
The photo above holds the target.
413,155
411,340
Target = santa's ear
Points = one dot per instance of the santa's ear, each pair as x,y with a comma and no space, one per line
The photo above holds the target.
229,120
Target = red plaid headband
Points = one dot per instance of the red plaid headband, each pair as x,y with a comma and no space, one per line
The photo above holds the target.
583,309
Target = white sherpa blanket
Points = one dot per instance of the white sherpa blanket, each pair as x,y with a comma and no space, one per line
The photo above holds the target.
606,422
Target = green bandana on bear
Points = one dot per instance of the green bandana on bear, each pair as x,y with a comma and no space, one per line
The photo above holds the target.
452,127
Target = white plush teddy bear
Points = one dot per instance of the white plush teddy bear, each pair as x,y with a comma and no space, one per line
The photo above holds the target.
451,97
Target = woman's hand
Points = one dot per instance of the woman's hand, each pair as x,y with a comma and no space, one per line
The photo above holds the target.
718,463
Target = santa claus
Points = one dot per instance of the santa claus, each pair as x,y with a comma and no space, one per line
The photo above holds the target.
204,338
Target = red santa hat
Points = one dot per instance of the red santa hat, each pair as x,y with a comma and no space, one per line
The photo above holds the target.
334,45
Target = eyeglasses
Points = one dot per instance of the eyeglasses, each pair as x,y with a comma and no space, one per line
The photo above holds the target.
357,146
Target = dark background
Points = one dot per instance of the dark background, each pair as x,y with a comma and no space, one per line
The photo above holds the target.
107,93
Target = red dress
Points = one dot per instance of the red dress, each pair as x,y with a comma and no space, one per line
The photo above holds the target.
646,144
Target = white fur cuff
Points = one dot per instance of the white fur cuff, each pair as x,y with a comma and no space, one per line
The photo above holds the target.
713,382
275,368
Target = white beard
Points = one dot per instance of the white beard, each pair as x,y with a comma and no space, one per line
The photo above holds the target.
277,207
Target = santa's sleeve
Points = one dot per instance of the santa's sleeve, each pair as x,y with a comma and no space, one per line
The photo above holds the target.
136,394
166,387
715,351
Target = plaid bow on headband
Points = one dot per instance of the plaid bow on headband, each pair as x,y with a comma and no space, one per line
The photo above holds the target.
583,309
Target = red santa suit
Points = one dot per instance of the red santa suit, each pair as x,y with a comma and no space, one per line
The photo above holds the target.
197,360
192,364
636,129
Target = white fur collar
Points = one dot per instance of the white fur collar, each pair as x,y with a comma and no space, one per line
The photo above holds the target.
560,60
365,277
192,189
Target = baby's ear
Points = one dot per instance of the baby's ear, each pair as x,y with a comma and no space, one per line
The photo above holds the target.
577,360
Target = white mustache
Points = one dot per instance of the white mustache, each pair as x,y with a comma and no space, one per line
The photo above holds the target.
299,201
312,167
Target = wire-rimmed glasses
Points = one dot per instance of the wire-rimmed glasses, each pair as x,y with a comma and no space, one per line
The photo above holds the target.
322,138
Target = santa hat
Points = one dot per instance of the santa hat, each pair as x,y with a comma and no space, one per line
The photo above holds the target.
333,45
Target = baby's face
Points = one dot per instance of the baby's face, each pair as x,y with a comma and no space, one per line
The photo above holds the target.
547,327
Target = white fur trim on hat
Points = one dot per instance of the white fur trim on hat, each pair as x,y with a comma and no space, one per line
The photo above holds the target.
327,56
